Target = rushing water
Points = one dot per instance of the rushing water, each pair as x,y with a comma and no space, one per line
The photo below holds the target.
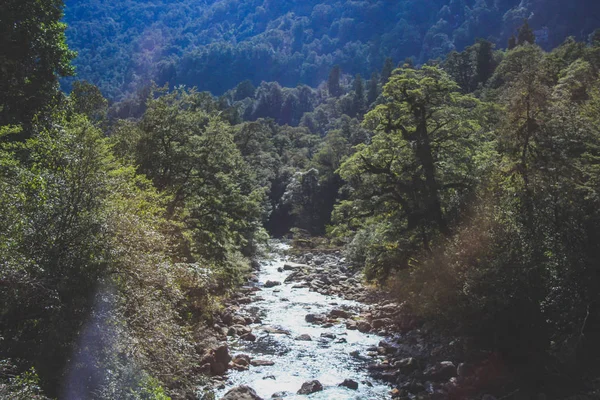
327,360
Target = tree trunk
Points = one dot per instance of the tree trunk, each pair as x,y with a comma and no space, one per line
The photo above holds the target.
425,156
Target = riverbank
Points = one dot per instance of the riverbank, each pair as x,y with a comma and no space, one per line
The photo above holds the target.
306,323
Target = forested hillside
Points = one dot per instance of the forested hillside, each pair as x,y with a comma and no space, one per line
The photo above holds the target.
214,45
463,183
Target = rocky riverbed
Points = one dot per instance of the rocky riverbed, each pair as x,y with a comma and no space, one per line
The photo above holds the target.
306,325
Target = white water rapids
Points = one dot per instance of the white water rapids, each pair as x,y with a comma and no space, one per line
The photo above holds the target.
325,359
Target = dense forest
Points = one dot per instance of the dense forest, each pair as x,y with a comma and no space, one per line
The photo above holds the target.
215,44
450,148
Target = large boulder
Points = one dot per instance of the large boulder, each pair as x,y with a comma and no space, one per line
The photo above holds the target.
350,384
315,318
310,387
241,393
270,284
218,359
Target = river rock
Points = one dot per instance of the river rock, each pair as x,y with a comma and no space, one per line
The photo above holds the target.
255,264
241,359
238,320
275,331
350,384
290,266
300,286
328,335
315,318
363,326
262,363
440,371
304,338
379,367
351,325
310,387
238,330
337,313
270,284
218,359
381,323
249,337
241,393
244,300
296,275
406,365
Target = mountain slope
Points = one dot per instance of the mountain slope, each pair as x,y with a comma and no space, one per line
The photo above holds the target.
215,44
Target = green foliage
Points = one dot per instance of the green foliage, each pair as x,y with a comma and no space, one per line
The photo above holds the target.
471,188
123,46
25,386
418,169
516,275
94,296
34,56
525,34
191,156
87,100
333,83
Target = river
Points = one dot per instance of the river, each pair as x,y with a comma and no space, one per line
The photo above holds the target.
338,355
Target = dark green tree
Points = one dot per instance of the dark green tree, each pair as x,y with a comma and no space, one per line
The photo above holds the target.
373,90
333,83
358,99
33,56
86,99
485,61
525,34
512,42
415,166
386,72
244,89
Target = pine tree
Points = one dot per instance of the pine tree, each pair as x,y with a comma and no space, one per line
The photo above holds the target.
386,72
525,34
333,84
373,91
485,61
359,96
512,42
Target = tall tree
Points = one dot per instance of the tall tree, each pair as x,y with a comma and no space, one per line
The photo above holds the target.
333,83
525,34
512,42
485,61
359,96
373,90
86,99
33,55
417,164
386,72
